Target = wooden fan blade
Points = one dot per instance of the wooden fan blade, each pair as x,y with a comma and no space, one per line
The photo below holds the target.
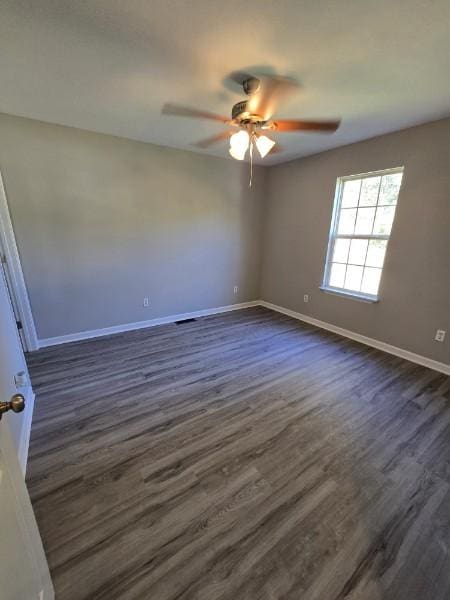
272,91
178,110
213,139
297,125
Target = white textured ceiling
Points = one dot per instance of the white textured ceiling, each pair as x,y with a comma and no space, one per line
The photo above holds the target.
109,65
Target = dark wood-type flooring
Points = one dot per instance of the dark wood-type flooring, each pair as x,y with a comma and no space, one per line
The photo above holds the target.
243,456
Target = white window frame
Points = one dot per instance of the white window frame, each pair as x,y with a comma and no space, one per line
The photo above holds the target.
334,235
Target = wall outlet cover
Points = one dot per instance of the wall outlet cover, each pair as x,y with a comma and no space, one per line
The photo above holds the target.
440,335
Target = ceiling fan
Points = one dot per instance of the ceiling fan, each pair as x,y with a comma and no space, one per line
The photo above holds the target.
254,117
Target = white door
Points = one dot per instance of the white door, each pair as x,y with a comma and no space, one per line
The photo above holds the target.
24,573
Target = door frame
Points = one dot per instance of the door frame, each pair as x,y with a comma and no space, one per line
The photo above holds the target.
12,258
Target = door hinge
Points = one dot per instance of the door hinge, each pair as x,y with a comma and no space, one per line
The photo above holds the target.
3,258
19,324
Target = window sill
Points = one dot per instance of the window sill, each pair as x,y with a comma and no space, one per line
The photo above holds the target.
350,295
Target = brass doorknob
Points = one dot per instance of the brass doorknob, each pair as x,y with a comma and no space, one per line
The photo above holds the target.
16,404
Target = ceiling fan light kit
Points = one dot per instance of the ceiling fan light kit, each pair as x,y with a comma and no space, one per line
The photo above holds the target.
241,141
253,115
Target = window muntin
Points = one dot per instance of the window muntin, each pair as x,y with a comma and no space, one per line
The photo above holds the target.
363,215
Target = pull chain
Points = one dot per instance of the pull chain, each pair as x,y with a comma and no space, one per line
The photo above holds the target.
251,163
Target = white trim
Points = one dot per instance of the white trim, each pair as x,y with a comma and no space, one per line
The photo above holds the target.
26,430
351,295
93,333
381,172
406,354
15,271
333,235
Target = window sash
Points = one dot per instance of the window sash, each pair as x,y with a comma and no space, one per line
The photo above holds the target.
360,236
334,235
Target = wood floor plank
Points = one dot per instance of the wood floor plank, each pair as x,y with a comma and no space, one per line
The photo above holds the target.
243,455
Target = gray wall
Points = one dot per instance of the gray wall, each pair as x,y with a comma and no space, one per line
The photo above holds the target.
415,286
101,222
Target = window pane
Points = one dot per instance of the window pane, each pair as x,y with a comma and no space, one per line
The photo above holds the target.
353,278
340,252
358,251
371,280
369,191
364,221
390,186
350,194
347,220
337,275
375,253
384,219
366,209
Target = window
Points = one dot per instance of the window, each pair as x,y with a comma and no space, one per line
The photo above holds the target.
364,210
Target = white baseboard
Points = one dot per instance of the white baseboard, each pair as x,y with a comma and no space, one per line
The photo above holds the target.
411,356
26,429
93,333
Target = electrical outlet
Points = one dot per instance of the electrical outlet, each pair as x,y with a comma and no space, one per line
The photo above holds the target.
440,335
146,303
235,290
306,298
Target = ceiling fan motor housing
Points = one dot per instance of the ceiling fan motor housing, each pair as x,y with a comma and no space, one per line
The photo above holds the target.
240,114
239,111
250,85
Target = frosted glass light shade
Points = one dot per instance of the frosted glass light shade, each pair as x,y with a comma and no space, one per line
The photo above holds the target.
264,145
239,144
238,154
